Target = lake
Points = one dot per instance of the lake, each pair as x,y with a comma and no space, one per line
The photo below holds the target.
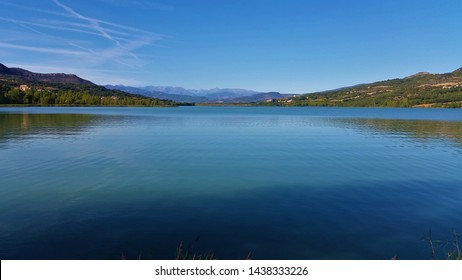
278,183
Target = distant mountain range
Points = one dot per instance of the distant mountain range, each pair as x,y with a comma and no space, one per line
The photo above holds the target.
216,95
13,78
420,90
20,86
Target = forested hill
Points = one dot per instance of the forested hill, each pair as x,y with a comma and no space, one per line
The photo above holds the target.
31,77
419,90
19,86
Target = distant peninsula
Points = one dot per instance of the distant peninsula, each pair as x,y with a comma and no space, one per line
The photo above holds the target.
420,90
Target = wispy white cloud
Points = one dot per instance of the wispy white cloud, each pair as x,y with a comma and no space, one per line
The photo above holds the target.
141,4
121,36
31,29
94,23
30,8
42,49
30,24
40,68
134,31
112,42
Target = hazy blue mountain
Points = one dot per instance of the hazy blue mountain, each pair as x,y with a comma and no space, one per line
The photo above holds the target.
264,96
155,93
216,95
169,90
209,93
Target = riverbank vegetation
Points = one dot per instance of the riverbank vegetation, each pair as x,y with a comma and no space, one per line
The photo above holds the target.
81,95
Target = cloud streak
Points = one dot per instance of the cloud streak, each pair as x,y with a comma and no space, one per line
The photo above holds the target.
93,22
42,49
141,4
120,42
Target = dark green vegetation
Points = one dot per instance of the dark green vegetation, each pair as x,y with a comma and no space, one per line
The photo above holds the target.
189,253
450,247
21,87
420,90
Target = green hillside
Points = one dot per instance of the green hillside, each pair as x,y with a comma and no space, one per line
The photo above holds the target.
21,87
420,90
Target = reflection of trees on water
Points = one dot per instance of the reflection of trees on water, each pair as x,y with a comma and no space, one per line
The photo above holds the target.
420,129
18,126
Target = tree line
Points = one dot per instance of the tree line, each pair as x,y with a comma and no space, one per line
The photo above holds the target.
95,97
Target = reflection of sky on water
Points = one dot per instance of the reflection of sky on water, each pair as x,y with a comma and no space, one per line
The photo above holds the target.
298,184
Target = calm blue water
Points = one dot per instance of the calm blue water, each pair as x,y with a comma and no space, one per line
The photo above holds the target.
281,183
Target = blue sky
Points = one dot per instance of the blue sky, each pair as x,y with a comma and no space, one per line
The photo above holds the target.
291,46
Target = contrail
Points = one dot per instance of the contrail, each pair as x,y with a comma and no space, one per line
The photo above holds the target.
94,23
